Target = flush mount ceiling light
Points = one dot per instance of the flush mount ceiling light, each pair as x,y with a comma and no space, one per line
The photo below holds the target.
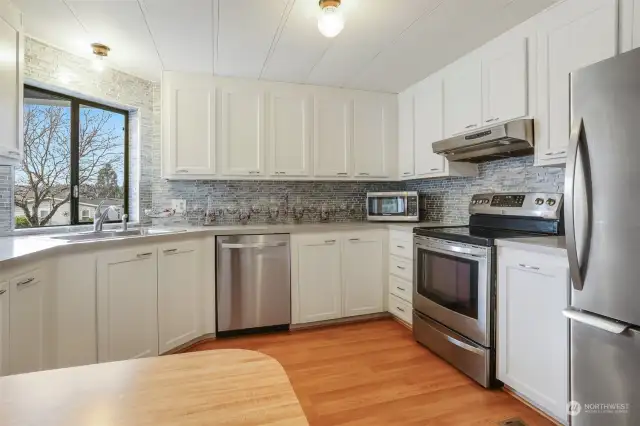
330,21
100,52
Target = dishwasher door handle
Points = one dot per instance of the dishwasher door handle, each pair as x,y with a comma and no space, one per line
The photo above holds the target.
253,245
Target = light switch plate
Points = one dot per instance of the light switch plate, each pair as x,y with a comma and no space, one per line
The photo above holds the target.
179,206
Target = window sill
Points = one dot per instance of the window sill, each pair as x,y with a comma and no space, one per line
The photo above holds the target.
23,232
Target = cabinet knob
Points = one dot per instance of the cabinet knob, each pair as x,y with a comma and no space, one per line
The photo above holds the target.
3,291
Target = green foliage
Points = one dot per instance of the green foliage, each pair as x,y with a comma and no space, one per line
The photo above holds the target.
22,222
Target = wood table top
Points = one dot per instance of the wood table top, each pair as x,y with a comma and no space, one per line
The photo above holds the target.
221,387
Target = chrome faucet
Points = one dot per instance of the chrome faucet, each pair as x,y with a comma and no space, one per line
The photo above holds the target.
99,218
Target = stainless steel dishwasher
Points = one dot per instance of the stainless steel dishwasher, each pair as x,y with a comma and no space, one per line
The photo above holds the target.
253,285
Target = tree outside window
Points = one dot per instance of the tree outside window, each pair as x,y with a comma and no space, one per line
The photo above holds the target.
75,157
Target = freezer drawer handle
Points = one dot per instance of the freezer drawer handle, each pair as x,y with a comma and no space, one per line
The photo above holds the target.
464,346
255,245
595,321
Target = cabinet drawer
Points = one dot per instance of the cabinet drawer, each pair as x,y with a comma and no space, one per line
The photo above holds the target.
401,244
401,288
29,278
400,309
401,267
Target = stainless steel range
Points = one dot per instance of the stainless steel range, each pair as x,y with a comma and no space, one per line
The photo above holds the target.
454,295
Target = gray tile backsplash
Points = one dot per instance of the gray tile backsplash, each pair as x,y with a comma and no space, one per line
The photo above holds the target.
447,199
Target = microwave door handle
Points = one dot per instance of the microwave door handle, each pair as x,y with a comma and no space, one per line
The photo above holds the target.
577,145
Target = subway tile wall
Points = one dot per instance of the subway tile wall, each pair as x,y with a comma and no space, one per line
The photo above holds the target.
447,199
6,198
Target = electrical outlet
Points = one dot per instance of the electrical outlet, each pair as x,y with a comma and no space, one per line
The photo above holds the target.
179,205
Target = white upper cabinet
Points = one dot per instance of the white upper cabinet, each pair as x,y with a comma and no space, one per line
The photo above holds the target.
316,268
428,119
127,289
533,335
11,84
180,291
362,257
504,81
332,141
242,131
629,24
571,35
372,123
189,125
30,345
290,134
405,135
4,328
463,96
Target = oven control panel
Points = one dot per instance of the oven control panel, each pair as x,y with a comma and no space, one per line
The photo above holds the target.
532,204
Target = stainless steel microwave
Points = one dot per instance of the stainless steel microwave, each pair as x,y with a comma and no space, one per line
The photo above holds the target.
401,206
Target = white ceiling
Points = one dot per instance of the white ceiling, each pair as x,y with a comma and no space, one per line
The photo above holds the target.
386,45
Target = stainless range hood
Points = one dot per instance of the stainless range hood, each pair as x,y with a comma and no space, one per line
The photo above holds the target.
511,139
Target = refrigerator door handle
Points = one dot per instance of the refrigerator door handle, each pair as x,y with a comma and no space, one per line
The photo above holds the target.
575,142
595,321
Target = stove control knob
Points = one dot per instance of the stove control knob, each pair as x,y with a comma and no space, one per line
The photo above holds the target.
551,202
539,201
474,202
485,201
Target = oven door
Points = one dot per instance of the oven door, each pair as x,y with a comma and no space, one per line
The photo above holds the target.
452,283
392,206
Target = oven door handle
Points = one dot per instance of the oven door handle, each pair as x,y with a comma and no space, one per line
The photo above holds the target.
476,257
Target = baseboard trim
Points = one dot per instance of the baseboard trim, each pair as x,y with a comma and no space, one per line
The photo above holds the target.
401,322
185,346
513,393
339,321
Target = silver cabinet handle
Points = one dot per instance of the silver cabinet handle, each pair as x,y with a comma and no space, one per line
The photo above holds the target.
400,288
25,282
14,152
170,251
143,255
254,172
342,174
279,173
406,173
329,241
354,239
522,265
399,308
556,152
434,169
401,267
182,171
3,291
491,120
470,126
400,247
595,321
363,174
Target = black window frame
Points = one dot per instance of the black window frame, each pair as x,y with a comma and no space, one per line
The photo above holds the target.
74,178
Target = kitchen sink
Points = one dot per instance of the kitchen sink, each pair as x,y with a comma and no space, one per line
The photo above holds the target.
111,235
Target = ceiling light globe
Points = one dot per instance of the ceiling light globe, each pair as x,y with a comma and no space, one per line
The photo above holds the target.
331,21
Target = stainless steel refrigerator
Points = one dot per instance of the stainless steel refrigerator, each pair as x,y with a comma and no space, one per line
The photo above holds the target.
602,214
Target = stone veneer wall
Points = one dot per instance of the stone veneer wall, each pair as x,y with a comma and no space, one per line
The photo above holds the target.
447,199
6,198
54,69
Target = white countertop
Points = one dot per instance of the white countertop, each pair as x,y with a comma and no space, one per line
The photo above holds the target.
548,245
28,246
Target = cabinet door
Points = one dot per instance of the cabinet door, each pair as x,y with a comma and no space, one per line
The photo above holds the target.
428,121
317,266
4,328
362,273
573,35
11,84
532,332
242,127
127,304
462,97
192,148
28,323
504,82
180,292
289,144
370,142
332,142
405,134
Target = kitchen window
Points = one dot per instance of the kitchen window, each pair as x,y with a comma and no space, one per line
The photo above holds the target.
75,157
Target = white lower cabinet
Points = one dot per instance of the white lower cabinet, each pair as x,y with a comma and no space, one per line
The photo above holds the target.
533,335
363,286
30,344
128,304
337,275
4,328
400,279
180,292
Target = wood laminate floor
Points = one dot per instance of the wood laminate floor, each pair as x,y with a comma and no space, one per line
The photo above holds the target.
374,373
